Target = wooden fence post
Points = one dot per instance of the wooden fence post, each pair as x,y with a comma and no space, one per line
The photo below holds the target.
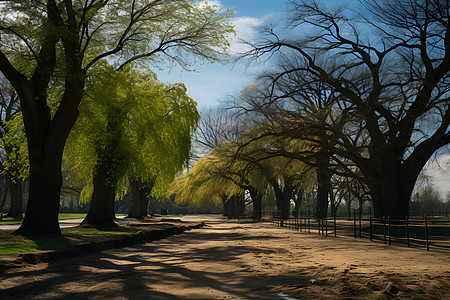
360,228
407,230
389,228
426,233
309,222
334,225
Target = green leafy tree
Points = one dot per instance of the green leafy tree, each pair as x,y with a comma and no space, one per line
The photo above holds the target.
13,160
132,131
230,170
64,40
16,164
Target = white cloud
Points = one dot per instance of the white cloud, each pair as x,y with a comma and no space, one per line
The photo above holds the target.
215,2
439,171
245,28
204,3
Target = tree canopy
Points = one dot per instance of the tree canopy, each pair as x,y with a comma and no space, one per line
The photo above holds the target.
136,127
62,41
387,92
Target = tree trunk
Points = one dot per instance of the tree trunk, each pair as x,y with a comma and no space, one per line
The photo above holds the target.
286,207
323,187
231,207
152,204
225,207
391,191
15,192
102,209
257,207
41,216
4,191
283,197
140,200
349,206
235,206
298,203
257,203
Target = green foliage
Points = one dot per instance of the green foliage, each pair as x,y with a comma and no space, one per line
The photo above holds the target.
231,168
15,161
134,125
123,30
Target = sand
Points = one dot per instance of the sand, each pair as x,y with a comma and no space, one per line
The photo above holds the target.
227,260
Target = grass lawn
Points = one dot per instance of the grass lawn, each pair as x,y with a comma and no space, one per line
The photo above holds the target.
16,249
62,216
11,244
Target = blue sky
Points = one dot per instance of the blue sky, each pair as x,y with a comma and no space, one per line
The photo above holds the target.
216,82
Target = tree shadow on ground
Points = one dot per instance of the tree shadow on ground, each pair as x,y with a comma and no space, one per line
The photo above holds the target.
139,272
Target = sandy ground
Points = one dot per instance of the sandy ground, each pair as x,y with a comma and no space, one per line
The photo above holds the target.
240,261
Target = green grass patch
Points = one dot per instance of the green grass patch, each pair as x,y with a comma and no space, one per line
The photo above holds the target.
62,216
99,232
68,216
11,244
10,221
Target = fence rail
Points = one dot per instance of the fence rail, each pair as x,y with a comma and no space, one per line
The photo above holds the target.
429,232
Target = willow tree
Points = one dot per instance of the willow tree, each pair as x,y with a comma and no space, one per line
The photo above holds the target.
390,72
15,164
13,159
65,39
289,153
206,184
231,169
260,148
132,131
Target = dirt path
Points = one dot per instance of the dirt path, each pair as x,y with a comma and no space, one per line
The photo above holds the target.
240,261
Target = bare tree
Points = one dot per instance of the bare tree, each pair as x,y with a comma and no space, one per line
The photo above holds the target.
390,89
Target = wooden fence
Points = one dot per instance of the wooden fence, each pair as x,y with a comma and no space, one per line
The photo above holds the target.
429,232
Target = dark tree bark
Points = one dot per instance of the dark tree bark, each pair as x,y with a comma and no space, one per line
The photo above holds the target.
140,195
298,202
3,191
225,205
391,192
283,197
102,208
257,202
15,192
108,171
235,206
323,187
152,204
